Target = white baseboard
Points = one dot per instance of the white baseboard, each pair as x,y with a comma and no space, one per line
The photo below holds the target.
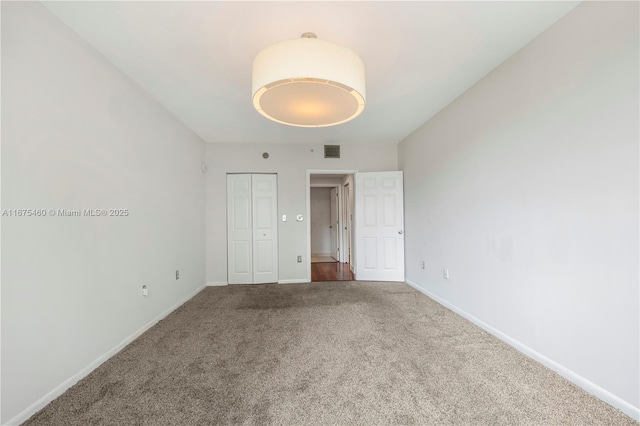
62,387
294,281
587,385
217,283
224,283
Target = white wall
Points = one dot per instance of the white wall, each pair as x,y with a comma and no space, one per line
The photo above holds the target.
78,134
290,162
526,188
320,220
325,181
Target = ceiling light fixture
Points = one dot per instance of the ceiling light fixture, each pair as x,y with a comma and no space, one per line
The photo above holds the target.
307,82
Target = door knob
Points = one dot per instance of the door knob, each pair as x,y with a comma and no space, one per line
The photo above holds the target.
400,232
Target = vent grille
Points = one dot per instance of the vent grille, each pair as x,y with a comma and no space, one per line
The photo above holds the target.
332,151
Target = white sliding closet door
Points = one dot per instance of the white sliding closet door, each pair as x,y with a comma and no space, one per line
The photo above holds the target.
252,228
239,230
265,228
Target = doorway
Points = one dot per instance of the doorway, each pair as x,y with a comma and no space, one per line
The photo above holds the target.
328,226
331,271
324,228
371,222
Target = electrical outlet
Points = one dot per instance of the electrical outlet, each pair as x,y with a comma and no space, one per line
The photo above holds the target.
177,274
145,292
423,264
445,273
299,259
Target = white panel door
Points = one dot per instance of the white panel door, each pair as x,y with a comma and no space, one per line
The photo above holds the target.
333,222
239,230
379,226
265,228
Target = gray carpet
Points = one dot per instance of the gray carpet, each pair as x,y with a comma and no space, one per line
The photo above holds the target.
322,354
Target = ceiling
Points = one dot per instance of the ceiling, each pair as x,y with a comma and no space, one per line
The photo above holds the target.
195,57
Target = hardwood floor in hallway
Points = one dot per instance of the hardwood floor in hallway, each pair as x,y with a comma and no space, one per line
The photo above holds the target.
331,271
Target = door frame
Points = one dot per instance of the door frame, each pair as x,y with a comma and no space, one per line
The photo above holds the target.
308,214
346,226
335,215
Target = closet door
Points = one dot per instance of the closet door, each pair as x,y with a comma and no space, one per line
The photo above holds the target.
252,229
265,228
239,230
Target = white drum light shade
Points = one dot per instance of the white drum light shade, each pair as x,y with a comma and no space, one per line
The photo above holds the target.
308,82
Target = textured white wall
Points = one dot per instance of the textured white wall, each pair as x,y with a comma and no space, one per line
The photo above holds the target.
290,162
78,134
526,188
320,199
323,180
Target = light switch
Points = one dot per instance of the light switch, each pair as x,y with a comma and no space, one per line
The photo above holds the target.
284,217
299,218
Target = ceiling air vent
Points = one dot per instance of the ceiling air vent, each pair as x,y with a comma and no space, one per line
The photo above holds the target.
332,151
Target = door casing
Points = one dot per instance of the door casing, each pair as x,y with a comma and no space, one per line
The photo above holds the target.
308,216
